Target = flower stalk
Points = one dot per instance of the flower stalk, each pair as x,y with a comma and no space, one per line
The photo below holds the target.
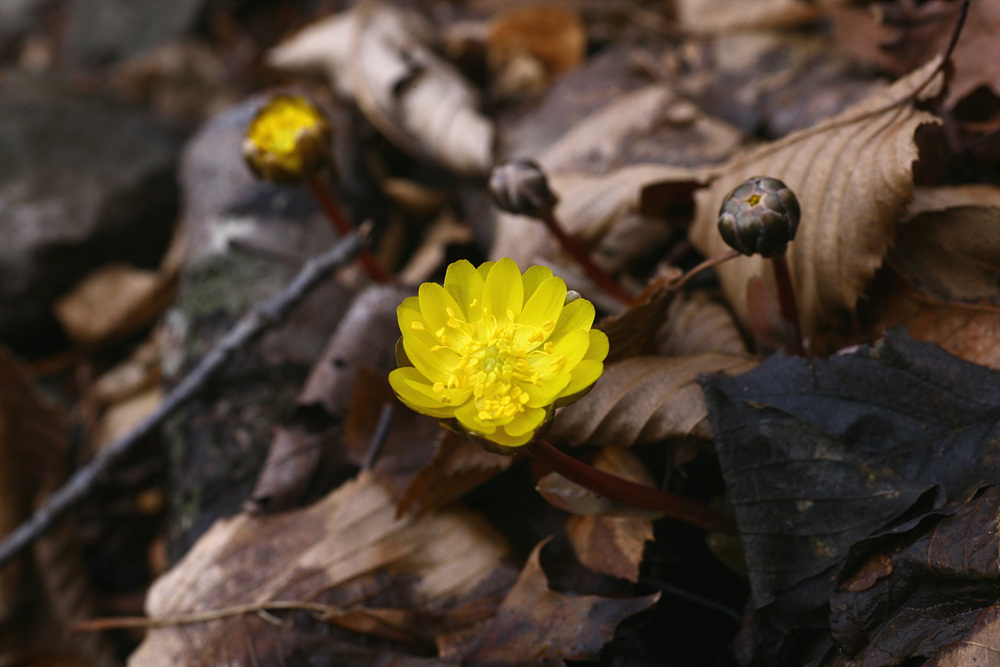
520,187
335,214
671,505
786,301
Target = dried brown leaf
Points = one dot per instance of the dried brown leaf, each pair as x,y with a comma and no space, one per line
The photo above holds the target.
613,545
349,550
378,54
853,176
458,466
536,625
951,244
969,331
643,400
698,324
589,207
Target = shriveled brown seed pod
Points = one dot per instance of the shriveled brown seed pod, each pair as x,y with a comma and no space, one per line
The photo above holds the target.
760,216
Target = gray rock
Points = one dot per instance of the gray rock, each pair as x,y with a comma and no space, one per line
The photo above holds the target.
245,240
103,31
83,181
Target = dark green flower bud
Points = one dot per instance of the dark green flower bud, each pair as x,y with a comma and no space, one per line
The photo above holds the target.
760,216
520,187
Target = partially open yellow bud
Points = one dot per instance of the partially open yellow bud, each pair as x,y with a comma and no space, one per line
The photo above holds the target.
288,140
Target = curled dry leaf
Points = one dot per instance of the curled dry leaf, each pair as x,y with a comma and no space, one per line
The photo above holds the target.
643,400
378,54
853,177
536,625
350,550
943,272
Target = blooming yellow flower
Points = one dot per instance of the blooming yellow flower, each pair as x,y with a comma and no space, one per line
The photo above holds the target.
496,350
288,140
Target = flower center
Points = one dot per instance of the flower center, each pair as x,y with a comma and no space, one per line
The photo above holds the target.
498,368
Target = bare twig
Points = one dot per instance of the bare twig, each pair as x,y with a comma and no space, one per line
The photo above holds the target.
242,333
125,622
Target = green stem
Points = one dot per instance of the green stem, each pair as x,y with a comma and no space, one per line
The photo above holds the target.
671,505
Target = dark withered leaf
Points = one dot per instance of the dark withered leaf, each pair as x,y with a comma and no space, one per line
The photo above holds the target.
820,455
925,595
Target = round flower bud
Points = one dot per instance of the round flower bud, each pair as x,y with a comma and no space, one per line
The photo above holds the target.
520,187
288,141
760,216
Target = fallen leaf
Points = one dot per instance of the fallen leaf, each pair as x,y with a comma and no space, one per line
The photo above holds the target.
716,16
305,454
378,54
536,625
821,454
852,175
699,324
950,245
589,207
118,300
643,400
931,595
458,466
612,545
979,647
350,551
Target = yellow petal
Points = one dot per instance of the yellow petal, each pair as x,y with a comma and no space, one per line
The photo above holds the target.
599,347
502,438
503,292
468,416
546,394
411,388
525,423
465,284
543,308
484,268
533,277
584,374
435,302
435,365
575,315
573,346
412,325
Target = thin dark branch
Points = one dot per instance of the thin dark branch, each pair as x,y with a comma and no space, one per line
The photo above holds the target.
246,330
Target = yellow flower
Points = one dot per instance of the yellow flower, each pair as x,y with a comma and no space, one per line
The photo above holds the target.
288,140
497,351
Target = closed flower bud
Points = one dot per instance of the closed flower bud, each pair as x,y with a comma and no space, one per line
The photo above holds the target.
288,141
520,187
760,216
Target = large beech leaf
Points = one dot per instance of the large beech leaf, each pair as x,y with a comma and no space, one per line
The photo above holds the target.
819,455
349,550
643,400
853,177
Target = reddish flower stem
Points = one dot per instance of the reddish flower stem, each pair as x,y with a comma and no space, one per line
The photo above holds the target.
786,300
671,505
335,214
570,245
